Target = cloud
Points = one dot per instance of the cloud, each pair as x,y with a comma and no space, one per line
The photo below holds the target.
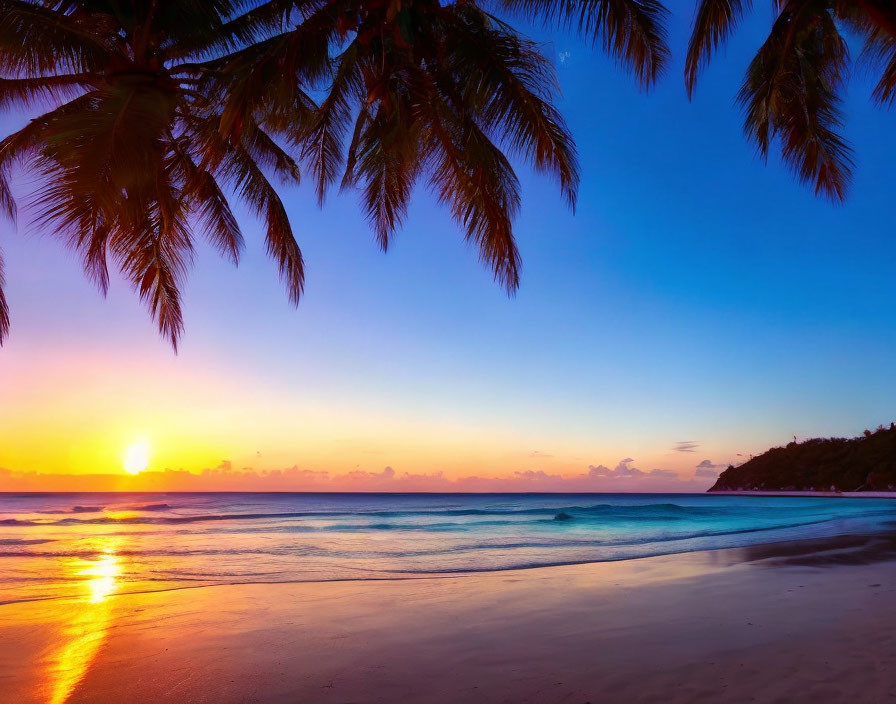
599,471
686,446
708,463
536,476
225,477
707,469
539,454
624,470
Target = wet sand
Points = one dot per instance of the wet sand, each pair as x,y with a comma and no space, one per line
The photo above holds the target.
808,621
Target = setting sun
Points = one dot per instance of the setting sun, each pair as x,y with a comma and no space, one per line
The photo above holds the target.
136,457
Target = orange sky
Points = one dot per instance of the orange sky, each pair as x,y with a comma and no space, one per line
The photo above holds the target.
67,421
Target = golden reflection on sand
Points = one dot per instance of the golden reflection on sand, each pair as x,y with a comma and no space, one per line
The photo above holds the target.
85,632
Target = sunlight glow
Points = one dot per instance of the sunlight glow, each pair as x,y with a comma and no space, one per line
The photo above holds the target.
102,574
136,457
83,635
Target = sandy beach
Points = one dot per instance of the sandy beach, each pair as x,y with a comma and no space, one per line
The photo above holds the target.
447,352
807,621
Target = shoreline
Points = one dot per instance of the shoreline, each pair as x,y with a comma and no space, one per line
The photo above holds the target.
814,494
771,549
873,494
803,620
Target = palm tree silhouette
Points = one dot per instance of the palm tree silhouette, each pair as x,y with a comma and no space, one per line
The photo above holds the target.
158,108
792,90
153,111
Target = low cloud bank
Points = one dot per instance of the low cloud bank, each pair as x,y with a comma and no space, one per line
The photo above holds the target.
625,477
624,470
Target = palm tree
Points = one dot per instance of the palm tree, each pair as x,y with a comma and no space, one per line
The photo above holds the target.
792,90
158,109
129,156
155,111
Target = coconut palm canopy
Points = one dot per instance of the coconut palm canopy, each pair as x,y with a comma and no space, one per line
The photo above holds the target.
149,116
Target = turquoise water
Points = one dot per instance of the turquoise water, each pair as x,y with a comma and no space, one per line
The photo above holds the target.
51,544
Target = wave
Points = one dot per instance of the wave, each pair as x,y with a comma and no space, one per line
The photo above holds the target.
308,550
608,512
187,579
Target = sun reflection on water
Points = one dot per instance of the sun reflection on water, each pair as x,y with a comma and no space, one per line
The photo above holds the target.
85,632
102,575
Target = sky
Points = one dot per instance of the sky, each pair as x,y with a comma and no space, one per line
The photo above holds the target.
699,307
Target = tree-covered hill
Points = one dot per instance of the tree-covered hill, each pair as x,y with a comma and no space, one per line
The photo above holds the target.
866,463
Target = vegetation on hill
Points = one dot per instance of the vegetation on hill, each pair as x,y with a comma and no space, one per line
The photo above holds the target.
866,463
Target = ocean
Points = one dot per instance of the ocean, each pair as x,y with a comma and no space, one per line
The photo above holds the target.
71,545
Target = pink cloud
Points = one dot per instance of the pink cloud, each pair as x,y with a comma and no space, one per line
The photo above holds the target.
709,470
623,478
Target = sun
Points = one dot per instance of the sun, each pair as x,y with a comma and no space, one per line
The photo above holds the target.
136,457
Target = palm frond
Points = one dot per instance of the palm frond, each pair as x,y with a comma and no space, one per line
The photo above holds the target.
266,78
321,143
713,24
154,266
240,169
268,154
154,254
25,92
512,86
349,177
4,306
632,31
7,199
792,91
876,22
36,39
256,24
472,176
207,202
78,218
387,165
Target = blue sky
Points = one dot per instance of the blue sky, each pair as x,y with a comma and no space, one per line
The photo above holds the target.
697,294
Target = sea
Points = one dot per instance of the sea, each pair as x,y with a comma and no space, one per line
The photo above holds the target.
59,546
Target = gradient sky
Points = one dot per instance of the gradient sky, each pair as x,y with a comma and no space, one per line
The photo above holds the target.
697,296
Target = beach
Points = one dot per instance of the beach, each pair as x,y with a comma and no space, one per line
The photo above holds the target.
798,621
611,423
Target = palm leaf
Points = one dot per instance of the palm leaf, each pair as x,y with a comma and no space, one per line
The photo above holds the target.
471,175
512,86
36,39
792,90
4,306
387,164
155,268
321,144
713,24
207,202
253,186
877,23
633,31
25,92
